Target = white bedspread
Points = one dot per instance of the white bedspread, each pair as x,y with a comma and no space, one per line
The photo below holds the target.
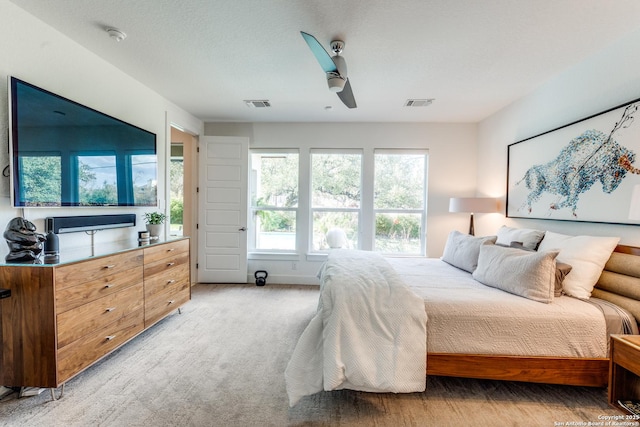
466,316
369,332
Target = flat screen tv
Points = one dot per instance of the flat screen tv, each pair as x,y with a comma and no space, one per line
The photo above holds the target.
66,154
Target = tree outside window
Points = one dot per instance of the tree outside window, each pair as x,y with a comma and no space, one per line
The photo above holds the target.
336,182
399,202
274,200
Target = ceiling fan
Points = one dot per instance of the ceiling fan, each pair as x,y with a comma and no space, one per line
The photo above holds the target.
334,66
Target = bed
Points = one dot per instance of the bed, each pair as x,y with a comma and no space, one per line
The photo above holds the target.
458,344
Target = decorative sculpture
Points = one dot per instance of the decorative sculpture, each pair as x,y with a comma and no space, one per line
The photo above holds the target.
25,244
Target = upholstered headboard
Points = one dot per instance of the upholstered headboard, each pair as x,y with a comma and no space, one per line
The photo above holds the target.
619,283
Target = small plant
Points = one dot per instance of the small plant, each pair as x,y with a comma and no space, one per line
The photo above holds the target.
154,218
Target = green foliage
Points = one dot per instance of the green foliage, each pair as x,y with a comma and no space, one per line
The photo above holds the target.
41,179
336,180
271,221
176,211
154,217
278,180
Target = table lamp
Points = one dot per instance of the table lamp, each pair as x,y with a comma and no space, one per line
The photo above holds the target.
473,205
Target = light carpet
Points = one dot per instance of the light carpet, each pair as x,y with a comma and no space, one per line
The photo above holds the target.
221,363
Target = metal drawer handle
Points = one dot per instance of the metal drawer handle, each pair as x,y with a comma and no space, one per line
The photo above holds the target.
110,309
172,301
108,285
109,266
169,264
170,281
171,250
110,337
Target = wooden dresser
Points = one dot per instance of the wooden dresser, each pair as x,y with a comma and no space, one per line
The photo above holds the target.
62,318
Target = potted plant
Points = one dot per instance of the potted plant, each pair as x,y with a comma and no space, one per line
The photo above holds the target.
154,222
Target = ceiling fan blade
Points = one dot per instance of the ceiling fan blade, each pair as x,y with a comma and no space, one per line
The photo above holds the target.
320,53
346,96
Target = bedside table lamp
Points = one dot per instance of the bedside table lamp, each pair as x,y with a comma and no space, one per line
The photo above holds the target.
473,205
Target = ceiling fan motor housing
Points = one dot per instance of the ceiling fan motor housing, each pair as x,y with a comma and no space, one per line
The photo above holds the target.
336,80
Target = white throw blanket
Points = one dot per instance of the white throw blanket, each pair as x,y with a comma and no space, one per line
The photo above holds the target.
369,332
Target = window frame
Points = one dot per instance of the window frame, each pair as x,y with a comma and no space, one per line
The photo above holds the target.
422,211
252,209
312,209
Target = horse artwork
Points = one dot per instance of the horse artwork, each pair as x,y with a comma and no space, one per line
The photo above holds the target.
590,179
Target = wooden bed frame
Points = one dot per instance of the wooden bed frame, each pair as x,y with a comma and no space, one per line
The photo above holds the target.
617,284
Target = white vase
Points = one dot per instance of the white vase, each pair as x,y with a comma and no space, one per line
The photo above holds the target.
154,230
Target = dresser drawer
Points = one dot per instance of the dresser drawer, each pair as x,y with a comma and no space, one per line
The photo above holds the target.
162,303
85,271
155,253
165,264
74,296
85,351
87,318
159,282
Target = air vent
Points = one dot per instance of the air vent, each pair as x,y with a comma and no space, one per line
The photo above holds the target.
418,102
257,103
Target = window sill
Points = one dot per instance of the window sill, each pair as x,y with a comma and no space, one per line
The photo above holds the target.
273,256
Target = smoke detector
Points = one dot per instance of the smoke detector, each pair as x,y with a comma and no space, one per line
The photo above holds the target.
116,34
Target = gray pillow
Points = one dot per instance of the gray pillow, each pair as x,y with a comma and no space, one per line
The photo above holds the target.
530,238
562,269
462,250
527,274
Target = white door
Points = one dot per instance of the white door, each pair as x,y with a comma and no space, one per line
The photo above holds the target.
222,216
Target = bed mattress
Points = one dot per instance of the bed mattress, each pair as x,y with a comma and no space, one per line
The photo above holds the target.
467,317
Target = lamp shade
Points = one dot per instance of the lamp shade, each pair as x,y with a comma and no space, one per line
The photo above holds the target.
473,204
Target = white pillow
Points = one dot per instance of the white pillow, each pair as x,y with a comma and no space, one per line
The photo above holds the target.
529,274
462,250
529,238
586,255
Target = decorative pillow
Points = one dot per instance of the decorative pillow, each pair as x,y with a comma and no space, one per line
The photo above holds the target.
462,250
530,238
527,274
562,269
587,256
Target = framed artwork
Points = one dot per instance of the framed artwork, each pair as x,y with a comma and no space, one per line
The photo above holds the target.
588,170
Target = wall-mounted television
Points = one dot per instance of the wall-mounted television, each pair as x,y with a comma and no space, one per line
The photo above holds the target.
66,154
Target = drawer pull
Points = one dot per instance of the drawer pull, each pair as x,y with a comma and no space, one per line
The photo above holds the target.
169,264
108,285
170,281
109,266
172,301
110,309
171,250
110,337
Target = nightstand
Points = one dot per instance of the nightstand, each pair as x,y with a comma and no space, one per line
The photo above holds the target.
624,369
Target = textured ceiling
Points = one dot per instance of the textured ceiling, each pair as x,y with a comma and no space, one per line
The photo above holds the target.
474,57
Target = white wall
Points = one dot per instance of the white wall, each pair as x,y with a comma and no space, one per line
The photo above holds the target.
452,169
38,54
605,80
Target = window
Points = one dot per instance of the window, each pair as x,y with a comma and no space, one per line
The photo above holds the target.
274,200
368,199
97,180
336,179
400,201
40,175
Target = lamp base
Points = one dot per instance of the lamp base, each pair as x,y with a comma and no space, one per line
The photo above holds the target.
471,229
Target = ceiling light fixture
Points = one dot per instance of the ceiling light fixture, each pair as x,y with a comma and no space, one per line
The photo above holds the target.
116,34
